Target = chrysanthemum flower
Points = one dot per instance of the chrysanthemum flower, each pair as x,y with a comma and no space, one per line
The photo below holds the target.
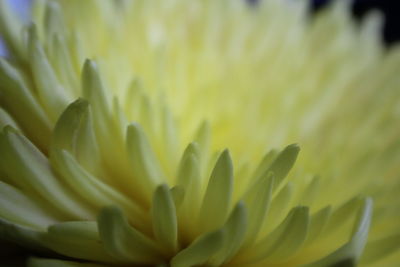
151,133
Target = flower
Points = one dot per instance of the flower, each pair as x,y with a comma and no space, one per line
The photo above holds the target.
146,133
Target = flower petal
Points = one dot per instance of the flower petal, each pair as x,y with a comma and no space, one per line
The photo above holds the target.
30,170
41,262
74,132
53,97
283,163
123,241
235,232
201,250
216,201
258,199
145,166
23,236
351,251
19,101
17,207
77,240
164,218
284,241
92,189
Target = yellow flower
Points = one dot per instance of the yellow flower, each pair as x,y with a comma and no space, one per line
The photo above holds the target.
145,133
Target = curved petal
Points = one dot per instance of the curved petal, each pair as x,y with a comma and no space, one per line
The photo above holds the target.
352,250
125,242
41,262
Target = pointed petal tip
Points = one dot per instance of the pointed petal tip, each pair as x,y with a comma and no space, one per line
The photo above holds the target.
80,105
162,188
225,157
294,147
89,63
134,126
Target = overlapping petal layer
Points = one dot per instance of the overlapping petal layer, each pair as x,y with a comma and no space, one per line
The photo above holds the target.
146,132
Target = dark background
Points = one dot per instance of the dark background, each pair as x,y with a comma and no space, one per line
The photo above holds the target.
391,31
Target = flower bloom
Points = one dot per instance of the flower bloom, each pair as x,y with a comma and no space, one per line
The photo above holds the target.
156,132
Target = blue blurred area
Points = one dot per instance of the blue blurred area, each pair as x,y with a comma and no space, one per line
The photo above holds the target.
3,50
22,10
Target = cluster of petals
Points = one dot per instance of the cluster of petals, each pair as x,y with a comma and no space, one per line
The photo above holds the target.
167,133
